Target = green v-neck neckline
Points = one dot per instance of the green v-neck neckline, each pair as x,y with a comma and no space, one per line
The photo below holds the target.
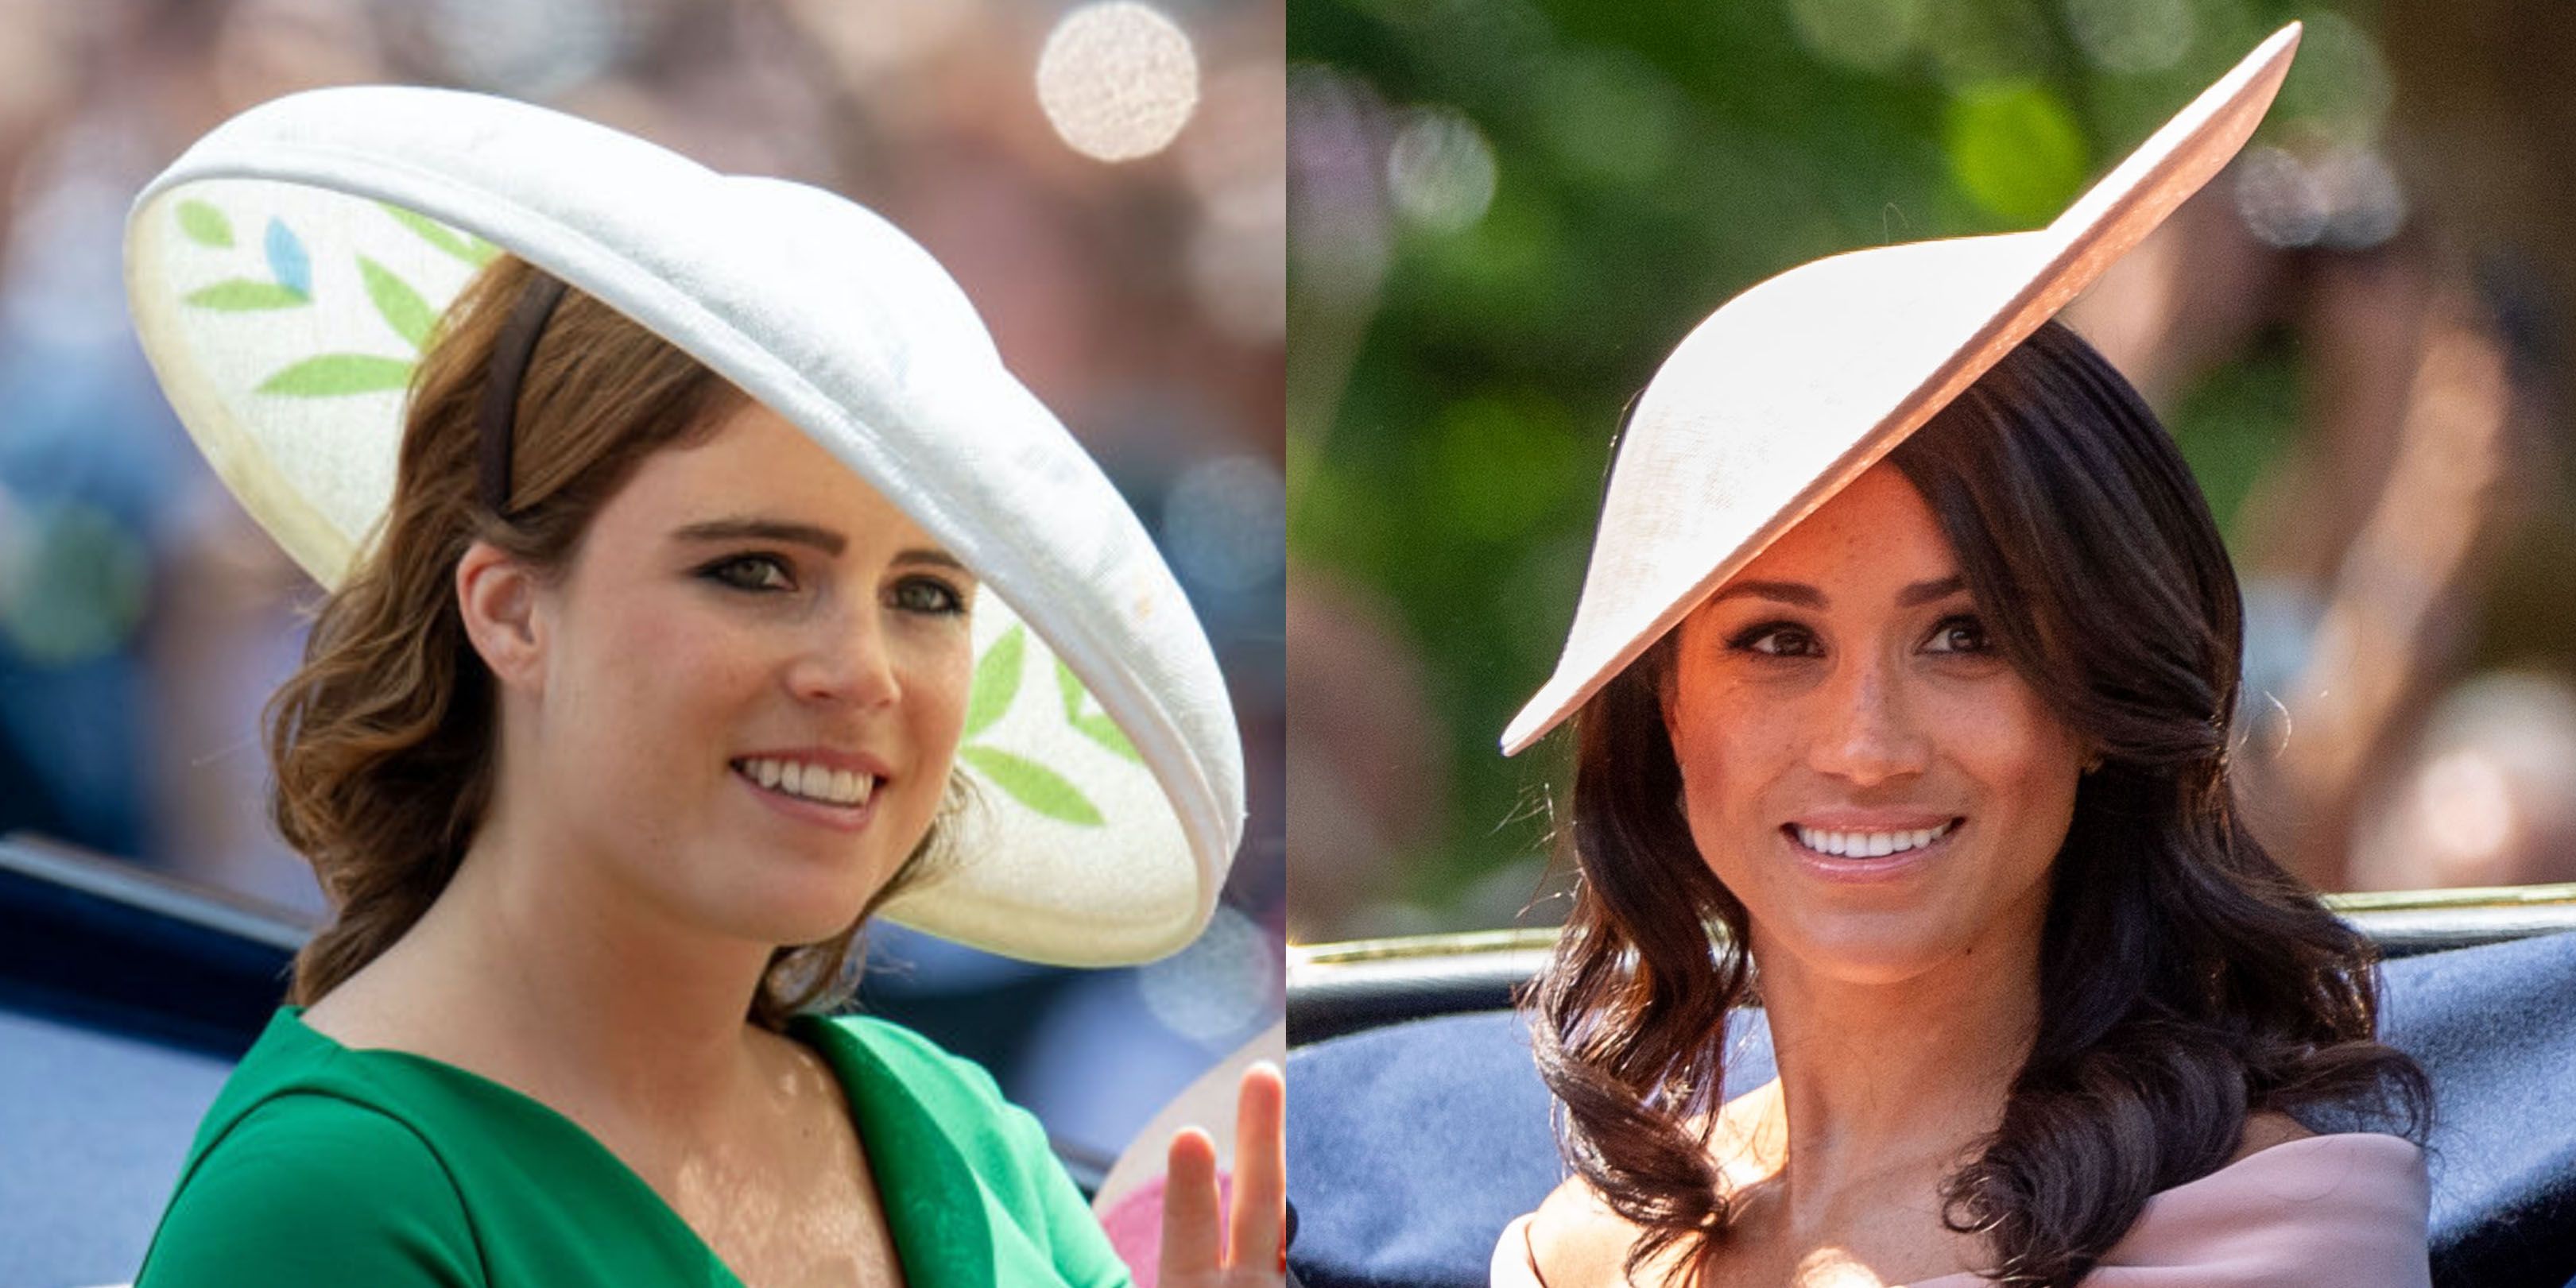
929,1195
934,1202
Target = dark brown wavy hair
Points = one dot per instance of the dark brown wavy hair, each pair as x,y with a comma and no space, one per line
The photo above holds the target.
2186,980
382,743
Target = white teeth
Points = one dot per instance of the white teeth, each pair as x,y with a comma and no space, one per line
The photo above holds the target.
811,782
1868,845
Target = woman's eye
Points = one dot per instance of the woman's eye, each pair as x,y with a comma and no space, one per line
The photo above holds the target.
750,572
1961,634
1775,639
928,595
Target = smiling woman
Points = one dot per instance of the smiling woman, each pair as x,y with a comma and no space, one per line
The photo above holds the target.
1944,750
1914,679
622,443
677,588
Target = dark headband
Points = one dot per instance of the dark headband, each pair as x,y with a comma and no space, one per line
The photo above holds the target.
510,354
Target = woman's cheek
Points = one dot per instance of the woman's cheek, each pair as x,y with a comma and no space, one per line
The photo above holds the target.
949,670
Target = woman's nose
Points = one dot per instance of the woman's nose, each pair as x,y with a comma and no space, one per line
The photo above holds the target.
847,659
1867,731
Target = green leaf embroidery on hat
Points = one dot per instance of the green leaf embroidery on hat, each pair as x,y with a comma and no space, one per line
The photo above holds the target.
1095,725
465,246
1033,785
997,681
241,294
404,310
328,375
333,375
291,285
205,225
989,697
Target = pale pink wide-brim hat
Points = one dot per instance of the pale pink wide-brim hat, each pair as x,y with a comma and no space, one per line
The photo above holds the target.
1790,390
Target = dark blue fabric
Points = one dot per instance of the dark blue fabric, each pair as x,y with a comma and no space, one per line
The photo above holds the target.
1411,1146
93,1127
2496,1027
1414,1145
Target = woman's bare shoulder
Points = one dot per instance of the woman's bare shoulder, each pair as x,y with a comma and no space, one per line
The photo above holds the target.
1573,1240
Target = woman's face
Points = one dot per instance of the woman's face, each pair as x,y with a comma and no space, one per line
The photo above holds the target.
752,683
1877,785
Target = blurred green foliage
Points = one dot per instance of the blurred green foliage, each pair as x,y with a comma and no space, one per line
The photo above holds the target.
1650,159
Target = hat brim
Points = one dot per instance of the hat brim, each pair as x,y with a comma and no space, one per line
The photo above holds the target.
1787,393
1099,726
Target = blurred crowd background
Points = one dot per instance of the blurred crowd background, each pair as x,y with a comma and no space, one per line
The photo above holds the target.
1504,213
1127,250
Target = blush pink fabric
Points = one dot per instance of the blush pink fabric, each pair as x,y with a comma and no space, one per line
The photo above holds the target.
1135,1225
2339,1211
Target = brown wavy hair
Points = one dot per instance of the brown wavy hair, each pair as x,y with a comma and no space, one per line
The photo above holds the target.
2186,980
382,743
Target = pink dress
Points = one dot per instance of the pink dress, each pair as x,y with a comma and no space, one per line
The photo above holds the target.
2339,1211
2346,1211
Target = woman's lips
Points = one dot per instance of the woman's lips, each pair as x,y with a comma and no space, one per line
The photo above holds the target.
840,818
1862,869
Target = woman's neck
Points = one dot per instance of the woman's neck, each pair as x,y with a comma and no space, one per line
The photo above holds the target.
1886,1083
538,969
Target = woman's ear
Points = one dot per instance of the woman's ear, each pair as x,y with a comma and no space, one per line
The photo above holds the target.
497,597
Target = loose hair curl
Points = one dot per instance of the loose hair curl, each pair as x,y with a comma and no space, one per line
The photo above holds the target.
2186,980
382,743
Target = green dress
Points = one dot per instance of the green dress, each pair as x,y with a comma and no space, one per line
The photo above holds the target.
319,1164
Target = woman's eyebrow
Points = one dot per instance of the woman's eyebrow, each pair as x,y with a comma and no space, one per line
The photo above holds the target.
1786,592
1806,596
803,534
933,556
1924,592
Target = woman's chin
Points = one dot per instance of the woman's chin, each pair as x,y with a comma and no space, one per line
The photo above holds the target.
1869,950
788,913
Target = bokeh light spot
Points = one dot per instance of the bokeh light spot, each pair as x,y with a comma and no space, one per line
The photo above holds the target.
533,51
1221,987
1872,35
1117,80
2468,806
2339,85
2347,198
2132,37
1225,524
1440,170
74,582
2278,200
2016,150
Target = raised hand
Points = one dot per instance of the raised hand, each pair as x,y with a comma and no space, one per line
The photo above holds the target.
1205,1247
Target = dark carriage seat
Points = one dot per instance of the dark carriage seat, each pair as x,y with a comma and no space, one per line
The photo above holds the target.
1414,1142
124,1000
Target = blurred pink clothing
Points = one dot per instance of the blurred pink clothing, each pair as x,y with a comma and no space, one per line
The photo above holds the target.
2340,1211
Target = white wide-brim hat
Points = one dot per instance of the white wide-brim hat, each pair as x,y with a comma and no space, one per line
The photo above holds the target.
1792,389
286,270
